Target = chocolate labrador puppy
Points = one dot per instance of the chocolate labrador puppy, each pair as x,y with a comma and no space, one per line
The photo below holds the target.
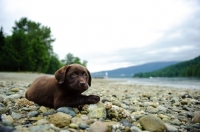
64,89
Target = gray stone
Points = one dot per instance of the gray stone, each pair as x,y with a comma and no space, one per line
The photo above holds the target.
7,119
126,123
16,115
39,128
42,122
171,128
175,122
135,129
49,112
4,110
83,125
6,128
152,110
33,113
13,97
67,110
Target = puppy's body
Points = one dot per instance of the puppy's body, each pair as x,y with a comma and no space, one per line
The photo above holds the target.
64,89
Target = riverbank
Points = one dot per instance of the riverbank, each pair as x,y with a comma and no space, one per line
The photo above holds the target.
123,107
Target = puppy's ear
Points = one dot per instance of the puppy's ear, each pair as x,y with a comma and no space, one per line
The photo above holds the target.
89,79
60,74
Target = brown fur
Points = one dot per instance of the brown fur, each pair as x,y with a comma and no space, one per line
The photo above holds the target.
64,89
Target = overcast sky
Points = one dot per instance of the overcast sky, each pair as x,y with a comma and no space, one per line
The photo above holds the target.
112,34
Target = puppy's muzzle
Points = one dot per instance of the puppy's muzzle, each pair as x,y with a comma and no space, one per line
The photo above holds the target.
83,85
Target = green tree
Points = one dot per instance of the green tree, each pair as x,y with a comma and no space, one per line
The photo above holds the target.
40,39
71,59
54,64
17,52
2,43
29,47
189,68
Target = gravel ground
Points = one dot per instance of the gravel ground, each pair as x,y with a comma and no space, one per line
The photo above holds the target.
123,108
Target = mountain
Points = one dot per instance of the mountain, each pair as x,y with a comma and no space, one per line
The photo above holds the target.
189,68
130,71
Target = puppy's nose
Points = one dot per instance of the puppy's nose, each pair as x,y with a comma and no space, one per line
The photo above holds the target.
82,83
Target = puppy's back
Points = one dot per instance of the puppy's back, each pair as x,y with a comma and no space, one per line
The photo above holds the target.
42,91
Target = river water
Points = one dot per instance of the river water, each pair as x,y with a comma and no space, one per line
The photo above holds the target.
188,83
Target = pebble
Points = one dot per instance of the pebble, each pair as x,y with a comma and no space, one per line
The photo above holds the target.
83,126
14,90
4,110
6,128
98,127
33,113
97,113
135,129
40,128
84,117
43,109
126,123
152,110
171,128
76,120
16,115
12,97
67,110
7,119
72,125
49,112
42,122
60,119
196,118
152,123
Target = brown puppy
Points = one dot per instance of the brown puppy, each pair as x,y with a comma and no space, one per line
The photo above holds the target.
64,89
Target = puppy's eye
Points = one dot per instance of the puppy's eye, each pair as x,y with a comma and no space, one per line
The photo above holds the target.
73,74
84,74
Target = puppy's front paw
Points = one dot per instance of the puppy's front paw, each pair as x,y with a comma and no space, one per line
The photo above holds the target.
92,99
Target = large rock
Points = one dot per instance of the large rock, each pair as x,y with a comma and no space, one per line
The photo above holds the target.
60,119
98,127
152,123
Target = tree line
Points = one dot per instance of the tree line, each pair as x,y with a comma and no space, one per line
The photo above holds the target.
189,68
29,48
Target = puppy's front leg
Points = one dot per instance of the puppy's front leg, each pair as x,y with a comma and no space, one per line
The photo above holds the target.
92,99
76,101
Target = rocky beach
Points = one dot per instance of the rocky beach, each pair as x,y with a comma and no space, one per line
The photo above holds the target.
123,108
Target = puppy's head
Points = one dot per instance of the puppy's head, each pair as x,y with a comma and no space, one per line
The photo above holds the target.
74,76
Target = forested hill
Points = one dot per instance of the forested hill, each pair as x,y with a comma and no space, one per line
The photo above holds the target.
189,68
130,71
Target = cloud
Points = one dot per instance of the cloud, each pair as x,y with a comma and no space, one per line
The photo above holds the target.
113,34
177,44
